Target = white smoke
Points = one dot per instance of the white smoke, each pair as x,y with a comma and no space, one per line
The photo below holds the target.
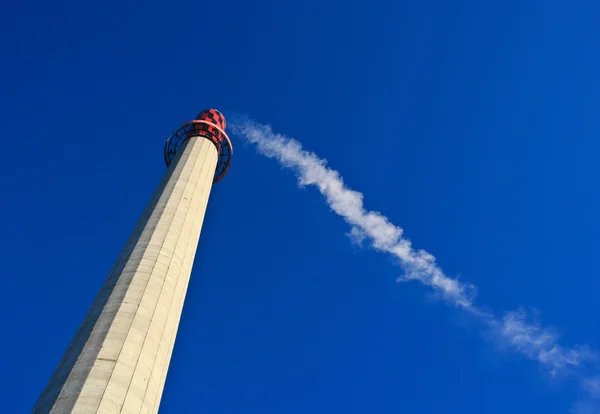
591,404
514,329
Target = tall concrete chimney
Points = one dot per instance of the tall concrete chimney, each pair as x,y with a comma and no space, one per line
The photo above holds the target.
118,360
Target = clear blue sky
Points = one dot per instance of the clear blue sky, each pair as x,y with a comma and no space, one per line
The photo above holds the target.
473,125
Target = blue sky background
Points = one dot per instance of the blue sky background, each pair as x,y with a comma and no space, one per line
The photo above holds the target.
473,126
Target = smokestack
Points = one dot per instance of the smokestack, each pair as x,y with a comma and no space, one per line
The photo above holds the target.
118,360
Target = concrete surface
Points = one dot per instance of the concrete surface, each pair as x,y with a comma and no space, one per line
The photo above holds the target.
118,360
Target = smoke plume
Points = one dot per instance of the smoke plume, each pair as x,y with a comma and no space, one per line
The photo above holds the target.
514,329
